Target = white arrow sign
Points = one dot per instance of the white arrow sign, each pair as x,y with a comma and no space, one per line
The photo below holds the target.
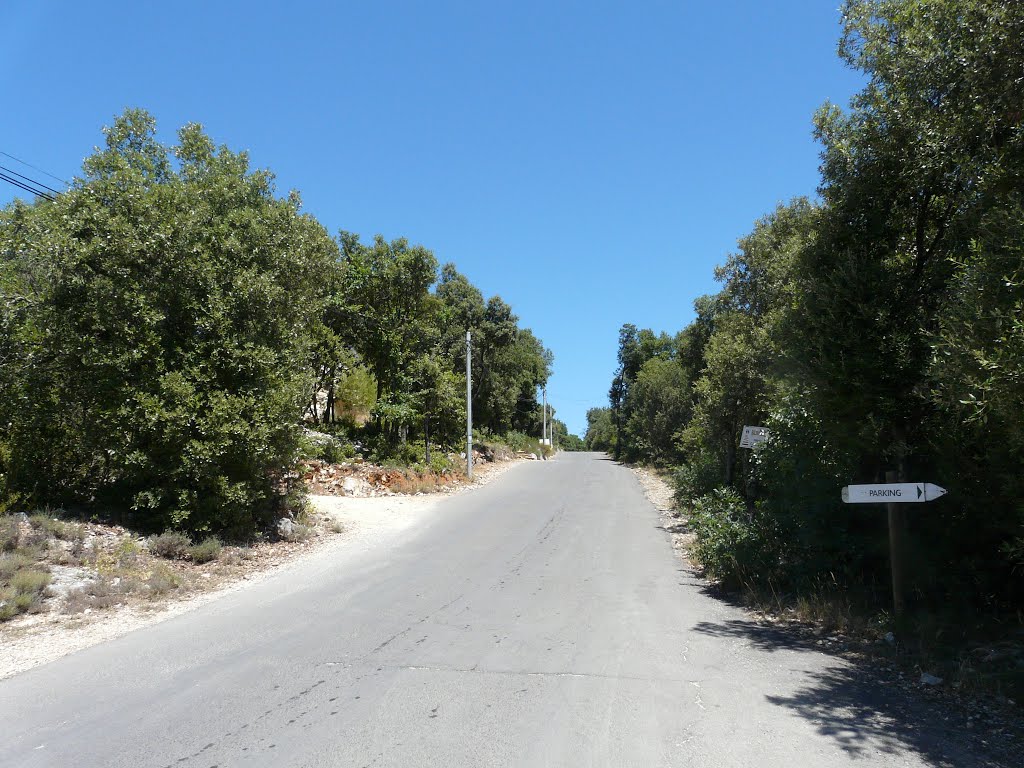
889,492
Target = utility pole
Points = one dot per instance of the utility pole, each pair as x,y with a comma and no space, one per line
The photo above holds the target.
469,405
544,428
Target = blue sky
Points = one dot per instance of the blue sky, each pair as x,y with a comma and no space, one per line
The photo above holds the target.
591,162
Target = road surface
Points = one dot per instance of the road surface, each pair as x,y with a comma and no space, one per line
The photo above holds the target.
542,620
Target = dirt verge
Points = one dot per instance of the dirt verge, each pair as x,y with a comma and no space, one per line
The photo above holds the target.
106,582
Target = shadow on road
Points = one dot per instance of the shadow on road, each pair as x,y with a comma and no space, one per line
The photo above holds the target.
867,709
761,636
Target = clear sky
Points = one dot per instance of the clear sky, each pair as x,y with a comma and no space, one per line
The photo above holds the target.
590,162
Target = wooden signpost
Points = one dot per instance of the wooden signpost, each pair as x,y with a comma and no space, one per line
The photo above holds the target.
894,495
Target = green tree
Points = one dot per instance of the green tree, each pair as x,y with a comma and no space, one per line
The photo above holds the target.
636,347
566,440
600,435
162,358
440,400
386,289
661,402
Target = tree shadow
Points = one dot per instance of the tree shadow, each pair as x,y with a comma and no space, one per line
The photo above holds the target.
761,636
866,709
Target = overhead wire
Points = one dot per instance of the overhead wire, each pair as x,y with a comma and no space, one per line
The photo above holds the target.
27,183
26,187
29,180
35,168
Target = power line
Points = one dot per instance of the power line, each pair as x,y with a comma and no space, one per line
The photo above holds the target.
45,173
29,180
26,187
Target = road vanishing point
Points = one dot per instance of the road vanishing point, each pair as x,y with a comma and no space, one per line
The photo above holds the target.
541,620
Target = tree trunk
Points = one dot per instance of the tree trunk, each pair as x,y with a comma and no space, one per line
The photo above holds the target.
426,438
330,399
730,457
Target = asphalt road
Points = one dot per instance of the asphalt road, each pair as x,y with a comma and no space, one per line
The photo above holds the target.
542,620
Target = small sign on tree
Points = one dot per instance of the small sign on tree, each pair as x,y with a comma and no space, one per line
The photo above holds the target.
753,436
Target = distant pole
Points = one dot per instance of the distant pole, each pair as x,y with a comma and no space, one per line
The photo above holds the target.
469,405
897,529
544,433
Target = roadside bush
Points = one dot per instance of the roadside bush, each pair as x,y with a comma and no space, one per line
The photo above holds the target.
731,546
694,480
440,463
205,552
518,441
329,452
323,446
171,545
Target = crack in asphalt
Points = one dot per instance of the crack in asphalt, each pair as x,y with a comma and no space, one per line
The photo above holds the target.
508,672
412,626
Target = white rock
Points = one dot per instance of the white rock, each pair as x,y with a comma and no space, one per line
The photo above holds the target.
927,679
349,486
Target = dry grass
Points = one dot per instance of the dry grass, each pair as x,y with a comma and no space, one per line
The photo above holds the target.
23,585
47,523
298,532
162,580
13,562
10,533
827,610
115,568
102,592
23,579
412,482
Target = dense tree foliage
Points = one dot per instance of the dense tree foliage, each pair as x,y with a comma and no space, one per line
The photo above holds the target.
566,440
600,434
165,325
159,339
880,330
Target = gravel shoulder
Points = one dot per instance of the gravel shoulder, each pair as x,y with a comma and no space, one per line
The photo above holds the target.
340,523
659,492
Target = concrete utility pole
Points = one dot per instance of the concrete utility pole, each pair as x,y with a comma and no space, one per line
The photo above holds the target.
469,405
544,428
